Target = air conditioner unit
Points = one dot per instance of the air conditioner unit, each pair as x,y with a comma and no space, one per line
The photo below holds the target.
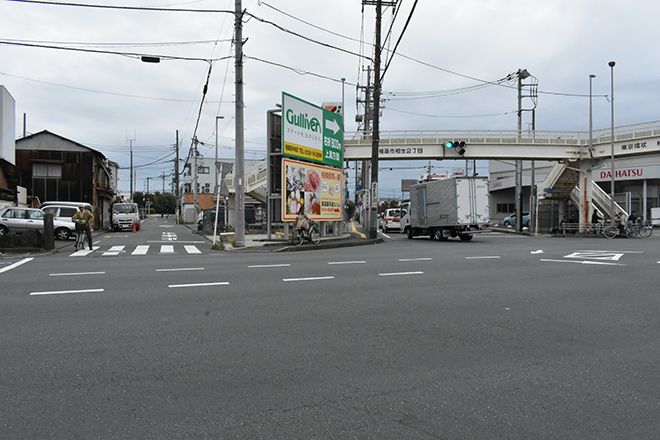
207,185
207,190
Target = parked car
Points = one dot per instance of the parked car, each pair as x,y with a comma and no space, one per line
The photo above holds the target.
510,221
62,213
20,220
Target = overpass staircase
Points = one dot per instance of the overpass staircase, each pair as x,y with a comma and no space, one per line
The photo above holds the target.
563,179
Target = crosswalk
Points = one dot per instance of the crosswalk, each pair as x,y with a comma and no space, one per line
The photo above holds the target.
143,249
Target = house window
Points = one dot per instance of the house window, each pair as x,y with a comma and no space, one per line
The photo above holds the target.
47,170
203,170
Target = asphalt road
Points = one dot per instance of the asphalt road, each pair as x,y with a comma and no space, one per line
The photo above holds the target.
503,337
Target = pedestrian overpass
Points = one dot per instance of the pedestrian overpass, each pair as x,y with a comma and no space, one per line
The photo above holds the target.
575,154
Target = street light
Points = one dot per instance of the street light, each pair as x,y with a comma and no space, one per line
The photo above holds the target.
612,64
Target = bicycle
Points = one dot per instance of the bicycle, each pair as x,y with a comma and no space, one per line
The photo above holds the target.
630,230
300,235
638,230
81,235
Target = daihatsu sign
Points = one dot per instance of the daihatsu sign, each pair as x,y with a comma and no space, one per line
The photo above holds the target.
311,132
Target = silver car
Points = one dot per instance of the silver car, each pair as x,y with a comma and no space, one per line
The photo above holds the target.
20,220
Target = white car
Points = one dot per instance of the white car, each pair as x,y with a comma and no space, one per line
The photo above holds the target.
391,219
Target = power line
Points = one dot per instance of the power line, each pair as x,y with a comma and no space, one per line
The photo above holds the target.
129,8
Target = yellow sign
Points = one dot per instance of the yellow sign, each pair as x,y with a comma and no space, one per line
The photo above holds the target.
313,189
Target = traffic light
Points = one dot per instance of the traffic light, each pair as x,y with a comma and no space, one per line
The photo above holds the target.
458,146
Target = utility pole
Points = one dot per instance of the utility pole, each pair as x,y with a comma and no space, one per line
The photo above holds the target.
373,208
131,144
176,176
239,172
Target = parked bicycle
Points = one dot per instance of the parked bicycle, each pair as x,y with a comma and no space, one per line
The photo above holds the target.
81,236
299,235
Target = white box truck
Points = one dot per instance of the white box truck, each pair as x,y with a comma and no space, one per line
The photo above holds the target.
453,207
125,216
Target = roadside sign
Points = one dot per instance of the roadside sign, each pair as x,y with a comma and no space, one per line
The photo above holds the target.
311,132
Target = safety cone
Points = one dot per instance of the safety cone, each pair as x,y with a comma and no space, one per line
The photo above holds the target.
134,229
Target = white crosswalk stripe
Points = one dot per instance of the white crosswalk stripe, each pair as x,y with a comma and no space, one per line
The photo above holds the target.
140,250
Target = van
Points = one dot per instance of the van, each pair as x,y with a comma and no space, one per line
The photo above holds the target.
391,219
125,216
62,213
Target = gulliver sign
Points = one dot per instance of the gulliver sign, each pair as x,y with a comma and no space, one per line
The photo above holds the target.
310,132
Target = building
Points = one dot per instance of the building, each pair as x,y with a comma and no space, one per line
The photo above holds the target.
8,188
53,168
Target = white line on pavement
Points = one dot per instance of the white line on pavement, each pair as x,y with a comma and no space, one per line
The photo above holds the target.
192,249
141,249
18,263
309,278
399,273
221,283
415,259
482,257
179,269
602,263
347,262
62,292
258,266
75,274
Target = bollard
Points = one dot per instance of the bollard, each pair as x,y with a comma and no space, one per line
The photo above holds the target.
49,232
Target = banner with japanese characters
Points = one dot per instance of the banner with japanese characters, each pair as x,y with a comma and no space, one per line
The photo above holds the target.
313,189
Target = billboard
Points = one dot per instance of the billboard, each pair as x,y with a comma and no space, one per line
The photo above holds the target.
311,132
313,188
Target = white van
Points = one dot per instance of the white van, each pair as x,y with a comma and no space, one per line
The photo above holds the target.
62,212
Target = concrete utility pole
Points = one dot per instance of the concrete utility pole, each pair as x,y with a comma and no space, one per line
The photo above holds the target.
176,176
239,172
612,64
373,219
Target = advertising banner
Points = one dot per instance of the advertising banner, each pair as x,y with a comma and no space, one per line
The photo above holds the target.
310,132
315,189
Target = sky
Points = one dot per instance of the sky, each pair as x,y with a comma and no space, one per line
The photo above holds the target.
448,70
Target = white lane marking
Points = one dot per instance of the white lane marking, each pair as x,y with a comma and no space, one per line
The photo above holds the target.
598,255
220,283
259,266
309,278
75,274
347,262
114,250
178,241
167,249
583,262
483,257
191,249
141,250
166,226
18,263
390,274
537,252
62,292
169,236
415,259
179,269
82,253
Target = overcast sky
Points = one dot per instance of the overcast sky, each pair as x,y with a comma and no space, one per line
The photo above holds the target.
103,100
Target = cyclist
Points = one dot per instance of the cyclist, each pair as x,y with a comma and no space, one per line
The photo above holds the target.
633,218
302,220
618,221
87,217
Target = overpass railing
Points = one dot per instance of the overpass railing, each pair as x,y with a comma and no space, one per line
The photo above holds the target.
506,137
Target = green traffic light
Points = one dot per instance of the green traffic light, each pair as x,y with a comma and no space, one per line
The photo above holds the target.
449,144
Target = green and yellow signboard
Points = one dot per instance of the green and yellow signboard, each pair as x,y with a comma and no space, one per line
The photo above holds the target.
311,132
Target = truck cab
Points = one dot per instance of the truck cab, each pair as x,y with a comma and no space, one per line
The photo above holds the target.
125,216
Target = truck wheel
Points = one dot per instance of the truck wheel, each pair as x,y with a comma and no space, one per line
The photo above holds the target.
409,233
465,237
440,236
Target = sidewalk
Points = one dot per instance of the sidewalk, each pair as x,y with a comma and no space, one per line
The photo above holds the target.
277,243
